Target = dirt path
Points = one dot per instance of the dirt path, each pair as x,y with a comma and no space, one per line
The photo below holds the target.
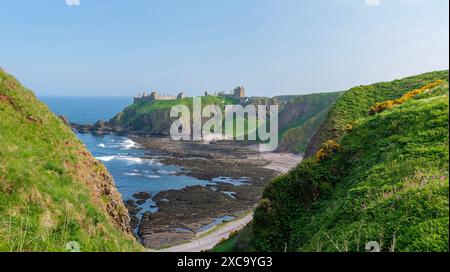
211,239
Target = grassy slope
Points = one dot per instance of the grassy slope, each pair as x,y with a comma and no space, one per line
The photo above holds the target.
51,189
132,115
356,102
296,138
312,105
388,182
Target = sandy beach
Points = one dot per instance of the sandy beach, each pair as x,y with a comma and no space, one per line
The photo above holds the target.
280,162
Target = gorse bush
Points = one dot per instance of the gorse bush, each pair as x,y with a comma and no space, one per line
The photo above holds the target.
379,107
327,150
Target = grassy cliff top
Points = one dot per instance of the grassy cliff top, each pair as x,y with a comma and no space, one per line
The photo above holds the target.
137,111
52,191
354,104
298,114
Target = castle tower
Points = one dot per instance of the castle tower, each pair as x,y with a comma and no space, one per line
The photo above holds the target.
180,95
239,92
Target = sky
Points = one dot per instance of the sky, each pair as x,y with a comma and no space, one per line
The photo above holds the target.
271,47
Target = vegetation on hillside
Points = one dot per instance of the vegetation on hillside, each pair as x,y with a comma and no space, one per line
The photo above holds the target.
296,139
134,115
355,103
52,191
309,112
386,182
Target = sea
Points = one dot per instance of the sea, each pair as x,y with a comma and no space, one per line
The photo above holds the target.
134,169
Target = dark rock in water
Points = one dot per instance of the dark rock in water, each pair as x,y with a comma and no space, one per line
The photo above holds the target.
142,196
133,209
99,128
99,125
81,128
141,201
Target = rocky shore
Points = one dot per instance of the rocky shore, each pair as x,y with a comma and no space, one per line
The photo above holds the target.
99,128
237,177
237,173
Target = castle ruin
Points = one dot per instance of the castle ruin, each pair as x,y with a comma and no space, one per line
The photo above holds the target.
145,97
238,92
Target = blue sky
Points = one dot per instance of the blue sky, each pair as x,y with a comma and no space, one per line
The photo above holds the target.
272,47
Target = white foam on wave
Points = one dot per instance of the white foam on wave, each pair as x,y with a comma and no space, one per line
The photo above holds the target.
153,176
165,172
128,159
132,174
106,158
128,144
101,145
124,144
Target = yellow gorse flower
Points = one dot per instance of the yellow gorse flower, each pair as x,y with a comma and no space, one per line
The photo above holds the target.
379,107
328,149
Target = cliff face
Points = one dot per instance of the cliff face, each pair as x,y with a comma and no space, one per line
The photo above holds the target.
300,118
153,118
52,190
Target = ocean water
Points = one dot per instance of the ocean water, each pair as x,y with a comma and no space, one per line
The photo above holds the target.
134,169
87,110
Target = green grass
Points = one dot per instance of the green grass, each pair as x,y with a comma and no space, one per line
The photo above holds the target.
238,242
44,202
387,183
133,115
296,139
311,105
354,104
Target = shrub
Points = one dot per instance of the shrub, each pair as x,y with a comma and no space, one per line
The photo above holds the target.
328,149
379,107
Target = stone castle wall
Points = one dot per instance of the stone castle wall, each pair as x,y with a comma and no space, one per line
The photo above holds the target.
144,97
238,92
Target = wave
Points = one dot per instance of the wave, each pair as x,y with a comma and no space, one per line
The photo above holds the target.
165,172
128,144
124,144
132,174
101,145
106,158
131,160
153,176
